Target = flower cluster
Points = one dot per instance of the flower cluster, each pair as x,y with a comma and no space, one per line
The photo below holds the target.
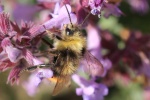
97,6
15,46
89,89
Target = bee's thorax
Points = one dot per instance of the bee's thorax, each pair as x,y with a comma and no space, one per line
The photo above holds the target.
75,43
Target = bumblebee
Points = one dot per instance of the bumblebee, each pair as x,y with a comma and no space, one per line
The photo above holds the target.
70,49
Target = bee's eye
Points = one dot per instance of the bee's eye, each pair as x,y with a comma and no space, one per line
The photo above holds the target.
69,31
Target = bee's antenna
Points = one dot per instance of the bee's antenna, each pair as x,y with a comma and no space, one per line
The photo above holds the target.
85,19
69,15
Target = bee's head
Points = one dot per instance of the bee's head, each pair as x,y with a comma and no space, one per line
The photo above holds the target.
70,30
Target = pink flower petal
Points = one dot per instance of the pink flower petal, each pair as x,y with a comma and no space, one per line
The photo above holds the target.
103,90
57,8
63,10
37,61
31,85
35,79
79,91
5,42
63,18
31,88
80,81
59,21
89,90
45,73
4,23
22,38
3,56
33,31
14,74
6,64
28,56
14,54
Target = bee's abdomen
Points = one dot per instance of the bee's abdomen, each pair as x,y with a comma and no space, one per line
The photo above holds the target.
67,62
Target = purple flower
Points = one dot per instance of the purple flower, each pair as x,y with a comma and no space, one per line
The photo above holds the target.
5,28
14,73
97,6
12,54
14,41
60,17
18,65
35,79
89,89
5,62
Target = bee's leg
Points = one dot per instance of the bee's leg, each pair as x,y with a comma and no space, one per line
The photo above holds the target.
53,36
58,37
48,43
52,51
32,68
56,59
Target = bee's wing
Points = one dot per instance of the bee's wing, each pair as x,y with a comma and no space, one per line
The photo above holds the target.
62,81
92,65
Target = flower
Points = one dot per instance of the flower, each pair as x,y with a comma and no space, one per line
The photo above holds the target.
35,80
11,54
13,45
14,73
5,62
60,17
96,6
89,89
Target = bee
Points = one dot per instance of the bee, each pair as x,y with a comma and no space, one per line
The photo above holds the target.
69,49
